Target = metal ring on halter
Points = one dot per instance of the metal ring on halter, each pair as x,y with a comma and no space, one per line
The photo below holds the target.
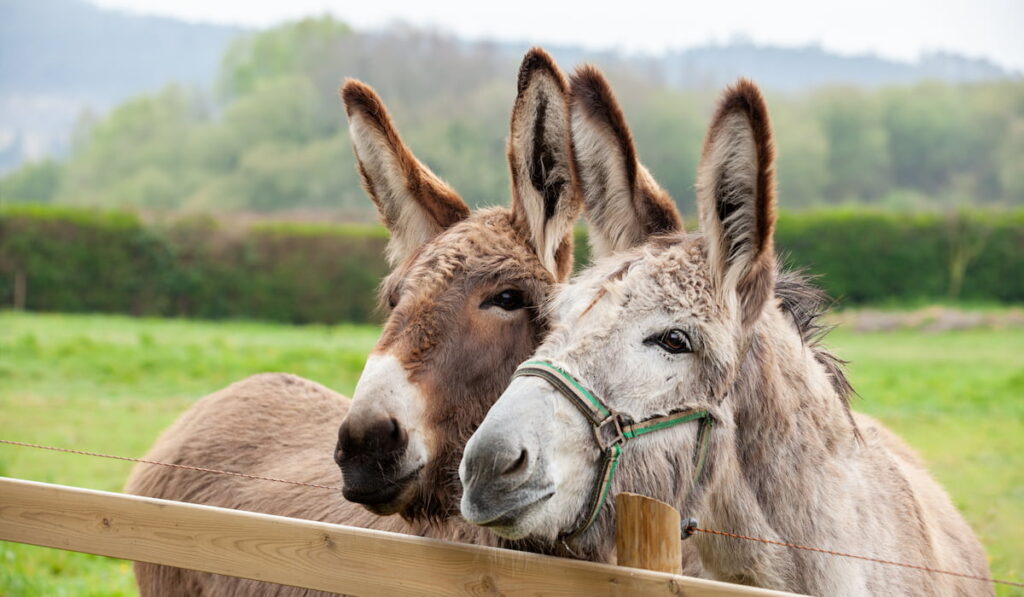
612,430
614,423
687,527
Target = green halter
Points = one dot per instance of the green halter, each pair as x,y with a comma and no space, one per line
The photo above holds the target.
612,429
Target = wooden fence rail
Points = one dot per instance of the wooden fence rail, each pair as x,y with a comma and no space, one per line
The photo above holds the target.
309,554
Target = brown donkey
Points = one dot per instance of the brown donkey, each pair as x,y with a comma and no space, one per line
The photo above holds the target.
689,369
462,301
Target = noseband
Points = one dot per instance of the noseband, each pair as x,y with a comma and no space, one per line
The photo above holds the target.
613,429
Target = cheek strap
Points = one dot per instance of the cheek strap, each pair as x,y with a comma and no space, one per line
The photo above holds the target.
612,430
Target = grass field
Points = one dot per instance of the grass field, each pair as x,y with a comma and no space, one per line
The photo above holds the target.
111,384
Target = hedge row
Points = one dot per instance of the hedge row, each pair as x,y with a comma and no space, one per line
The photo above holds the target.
76,261
81,261
893,258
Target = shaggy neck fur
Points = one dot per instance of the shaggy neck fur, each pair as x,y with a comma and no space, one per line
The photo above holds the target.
789,462
784,431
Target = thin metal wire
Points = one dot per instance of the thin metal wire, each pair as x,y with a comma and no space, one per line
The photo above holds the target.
850,555
695,528
167,464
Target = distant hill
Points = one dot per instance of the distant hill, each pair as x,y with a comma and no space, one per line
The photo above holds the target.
71,48
798,69
59,58
787,69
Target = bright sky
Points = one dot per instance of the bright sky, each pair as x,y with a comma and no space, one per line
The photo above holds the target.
901,29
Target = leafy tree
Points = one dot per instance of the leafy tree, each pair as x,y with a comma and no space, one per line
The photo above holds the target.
803,155
858,158
1011,162
280,110
669,129
302,47
137,155
273,137
34,182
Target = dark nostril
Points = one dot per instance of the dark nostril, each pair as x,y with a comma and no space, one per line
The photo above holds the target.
343,438
396,437
519,464
382,438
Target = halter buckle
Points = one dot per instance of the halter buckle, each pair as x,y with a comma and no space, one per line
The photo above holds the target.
609,432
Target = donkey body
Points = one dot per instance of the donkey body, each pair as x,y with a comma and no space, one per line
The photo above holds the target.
271,425
707,323
462,301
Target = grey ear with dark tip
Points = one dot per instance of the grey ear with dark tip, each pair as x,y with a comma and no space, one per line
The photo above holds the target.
545,192
736,197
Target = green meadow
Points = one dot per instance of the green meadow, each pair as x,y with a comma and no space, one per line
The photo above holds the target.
111,384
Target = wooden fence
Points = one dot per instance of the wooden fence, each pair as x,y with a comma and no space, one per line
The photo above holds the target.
310,554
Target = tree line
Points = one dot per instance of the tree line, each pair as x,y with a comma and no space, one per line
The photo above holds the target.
272,135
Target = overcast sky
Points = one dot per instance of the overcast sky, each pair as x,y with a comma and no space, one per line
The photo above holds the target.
901,29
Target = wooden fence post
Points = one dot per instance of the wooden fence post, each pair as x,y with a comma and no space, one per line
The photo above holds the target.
647,534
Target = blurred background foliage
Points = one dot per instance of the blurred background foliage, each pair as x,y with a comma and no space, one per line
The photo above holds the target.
271,136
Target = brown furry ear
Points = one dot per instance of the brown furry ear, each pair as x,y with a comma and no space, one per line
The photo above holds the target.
622,201
736,196
545,192
414,203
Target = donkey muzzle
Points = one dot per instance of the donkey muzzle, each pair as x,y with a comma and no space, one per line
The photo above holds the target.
503,473
371,455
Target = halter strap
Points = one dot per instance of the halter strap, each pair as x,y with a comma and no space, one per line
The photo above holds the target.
613,429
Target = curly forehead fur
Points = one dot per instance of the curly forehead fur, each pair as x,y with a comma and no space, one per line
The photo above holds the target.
487,244
676,274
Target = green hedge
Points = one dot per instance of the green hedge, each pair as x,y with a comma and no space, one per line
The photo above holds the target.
81,261
894,258
77,261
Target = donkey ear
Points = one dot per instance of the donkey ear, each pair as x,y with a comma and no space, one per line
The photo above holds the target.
736,196
414,204
545,194
622,202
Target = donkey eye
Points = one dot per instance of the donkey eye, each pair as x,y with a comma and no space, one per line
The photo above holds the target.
509,299
674,341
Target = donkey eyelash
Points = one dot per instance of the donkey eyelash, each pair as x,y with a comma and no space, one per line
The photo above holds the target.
509,299
675,340
394,298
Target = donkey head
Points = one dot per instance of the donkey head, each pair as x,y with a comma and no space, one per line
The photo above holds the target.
462,296
651,332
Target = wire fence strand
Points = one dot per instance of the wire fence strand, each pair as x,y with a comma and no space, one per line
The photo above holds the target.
334,488
866,558
167,464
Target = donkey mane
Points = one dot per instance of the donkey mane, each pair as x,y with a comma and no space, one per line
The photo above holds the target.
806,304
